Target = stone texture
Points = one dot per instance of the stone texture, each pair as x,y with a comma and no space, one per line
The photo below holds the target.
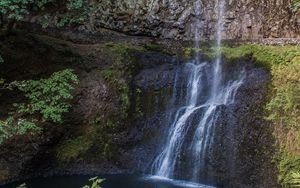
244,19
138,142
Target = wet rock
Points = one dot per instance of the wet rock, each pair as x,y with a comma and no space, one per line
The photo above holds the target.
244,19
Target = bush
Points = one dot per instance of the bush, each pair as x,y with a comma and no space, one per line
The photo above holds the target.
95,183
16,127
68,11
48,98
18,9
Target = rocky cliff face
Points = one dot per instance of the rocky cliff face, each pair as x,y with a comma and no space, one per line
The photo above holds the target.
112,144
242,147
244,19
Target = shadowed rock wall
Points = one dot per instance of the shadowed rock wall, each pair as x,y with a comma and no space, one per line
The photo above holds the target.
244,19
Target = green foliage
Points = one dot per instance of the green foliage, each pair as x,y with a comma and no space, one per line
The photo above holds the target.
295,181
289,168
284,107
121,71
158,48
2,81
284,111
95,183
69,11
49,97
76,12
14,127
22,185
266,56
18,9
73,148
295,7
46,97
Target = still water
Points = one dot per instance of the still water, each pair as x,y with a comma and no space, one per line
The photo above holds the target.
111,181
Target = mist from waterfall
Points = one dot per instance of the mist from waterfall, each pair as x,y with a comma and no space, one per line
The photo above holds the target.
191,127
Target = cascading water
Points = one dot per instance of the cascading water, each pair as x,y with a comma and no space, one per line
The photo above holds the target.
192,125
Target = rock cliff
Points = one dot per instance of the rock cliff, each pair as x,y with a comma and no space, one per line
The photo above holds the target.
244,19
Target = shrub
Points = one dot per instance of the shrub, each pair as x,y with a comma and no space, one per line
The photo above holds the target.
49,97
14,127
46,97
69,11
71,149
95,183
18,9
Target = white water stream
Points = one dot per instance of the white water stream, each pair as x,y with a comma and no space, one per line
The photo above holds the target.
206,90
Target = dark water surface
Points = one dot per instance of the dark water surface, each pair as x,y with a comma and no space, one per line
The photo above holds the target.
111,181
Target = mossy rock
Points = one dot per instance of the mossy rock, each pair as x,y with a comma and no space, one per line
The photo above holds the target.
264,56
72,149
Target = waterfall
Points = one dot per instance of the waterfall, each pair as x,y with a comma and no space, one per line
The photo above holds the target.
191,128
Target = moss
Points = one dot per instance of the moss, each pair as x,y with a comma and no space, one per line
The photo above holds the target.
156,98
288,165
119,76
121,73
103,130
139,105
107,151
266,56
158,48
205,51
295,6
72,149
121,48
283,109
